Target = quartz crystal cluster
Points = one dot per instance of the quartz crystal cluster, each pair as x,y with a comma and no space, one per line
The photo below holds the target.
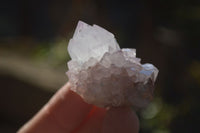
105,75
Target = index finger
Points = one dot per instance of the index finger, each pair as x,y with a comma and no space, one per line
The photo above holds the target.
63,113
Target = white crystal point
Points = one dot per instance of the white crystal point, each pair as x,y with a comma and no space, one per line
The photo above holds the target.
91,41
105,75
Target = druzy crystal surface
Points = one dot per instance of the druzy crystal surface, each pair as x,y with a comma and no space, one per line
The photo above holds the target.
105,75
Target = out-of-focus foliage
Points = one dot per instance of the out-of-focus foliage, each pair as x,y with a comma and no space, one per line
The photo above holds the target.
54,54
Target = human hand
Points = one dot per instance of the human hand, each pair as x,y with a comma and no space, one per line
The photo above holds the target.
66,112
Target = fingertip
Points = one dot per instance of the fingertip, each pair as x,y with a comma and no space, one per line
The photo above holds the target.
93,122
68,108
63,113
121,119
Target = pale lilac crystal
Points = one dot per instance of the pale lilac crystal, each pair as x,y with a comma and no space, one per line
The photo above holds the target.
105,75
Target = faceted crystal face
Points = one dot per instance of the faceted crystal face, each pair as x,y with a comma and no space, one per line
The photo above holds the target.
91,41
105,75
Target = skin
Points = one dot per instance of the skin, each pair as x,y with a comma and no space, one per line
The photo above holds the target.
66,112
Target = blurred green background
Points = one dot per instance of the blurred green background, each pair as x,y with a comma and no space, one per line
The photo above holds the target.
33,54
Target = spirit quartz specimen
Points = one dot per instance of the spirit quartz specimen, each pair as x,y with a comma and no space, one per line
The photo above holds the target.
105,75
